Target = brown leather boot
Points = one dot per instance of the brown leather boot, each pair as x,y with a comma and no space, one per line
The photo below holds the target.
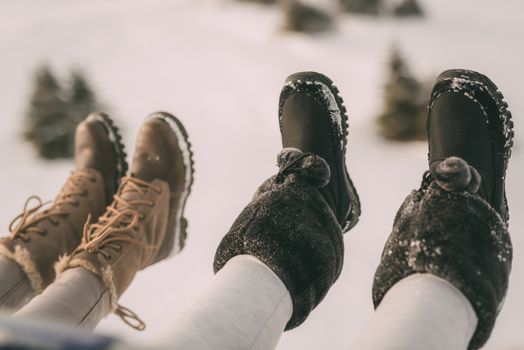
145,222
39,237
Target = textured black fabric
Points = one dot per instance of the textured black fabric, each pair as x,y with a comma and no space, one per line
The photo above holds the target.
445,228
289,227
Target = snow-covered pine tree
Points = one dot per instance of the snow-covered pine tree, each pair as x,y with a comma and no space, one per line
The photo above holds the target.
47,124
405,101
81,98
368,7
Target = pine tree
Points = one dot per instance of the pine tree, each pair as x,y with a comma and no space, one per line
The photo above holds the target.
369,7
404,115
263,2
302,17
47,125
408,8
82,100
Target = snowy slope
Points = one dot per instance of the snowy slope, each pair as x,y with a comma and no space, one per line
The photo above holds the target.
219,67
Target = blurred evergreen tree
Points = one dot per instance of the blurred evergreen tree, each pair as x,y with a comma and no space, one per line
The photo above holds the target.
368,7
405,103
408,8
47,125
53,113
264,2
81,98
302,17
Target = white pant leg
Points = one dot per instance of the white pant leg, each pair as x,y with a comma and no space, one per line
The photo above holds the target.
420,312
78,298
15,287
246,307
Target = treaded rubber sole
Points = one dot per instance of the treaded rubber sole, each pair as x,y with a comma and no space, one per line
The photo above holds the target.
468,80
116,140
187,155
339,133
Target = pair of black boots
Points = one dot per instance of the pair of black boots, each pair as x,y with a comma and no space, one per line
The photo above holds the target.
454,226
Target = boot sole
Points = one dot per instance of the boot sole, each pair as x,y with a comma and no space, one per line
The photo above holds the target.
187,155
115,138
471,82
339,127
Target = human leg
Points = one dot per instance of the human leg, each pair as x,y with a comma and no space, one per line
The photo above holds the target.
291,230
246,306
77,299
40,236
420,312
15,289
454,227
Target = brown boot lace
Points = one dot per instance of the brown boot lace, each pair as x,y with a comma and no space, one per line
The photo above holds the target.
24,224
118,225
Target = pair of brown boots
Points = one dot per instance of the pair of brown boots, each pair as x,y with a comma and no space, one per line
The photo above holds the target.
110,223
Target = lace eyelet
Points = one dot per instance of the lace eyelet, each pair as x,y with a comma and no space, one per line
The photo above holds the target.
55,222
151,204
75,204
141,216
43,233
158,190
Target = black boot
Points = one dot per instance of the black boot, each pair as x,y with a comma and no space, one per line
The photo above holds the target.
468,118
455,225
313,119
294,222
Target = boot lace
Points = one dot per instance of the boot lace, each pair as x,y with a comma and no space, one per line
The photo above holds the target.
119,224
26,222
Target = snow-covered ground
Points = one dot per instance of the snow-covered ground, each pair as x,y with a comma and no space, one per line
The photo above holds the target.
219,66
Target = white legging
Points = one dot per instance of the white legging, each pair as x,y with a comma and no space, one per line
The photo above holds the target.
246,306
420,312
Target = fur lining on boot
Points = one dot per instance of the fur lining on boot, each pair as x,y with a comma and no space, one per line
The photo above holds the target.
23,258
447,230
289,227
105,274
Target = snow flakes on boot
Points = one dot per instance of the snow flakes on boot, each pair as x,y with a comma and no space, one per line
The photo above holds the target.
447,230
289,227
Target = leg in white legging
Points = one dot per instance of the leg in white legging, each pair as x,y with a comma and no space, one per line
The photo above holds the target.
246,307
15,287
76,299
420,312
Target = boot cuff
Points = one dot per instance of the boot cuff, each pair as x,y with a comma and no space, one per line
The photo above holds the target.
290,228
66,262
447,230
22,257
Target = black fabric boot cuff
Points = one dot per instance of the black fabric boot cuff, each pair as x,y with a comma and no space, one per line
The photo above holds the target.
289,227
447,230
